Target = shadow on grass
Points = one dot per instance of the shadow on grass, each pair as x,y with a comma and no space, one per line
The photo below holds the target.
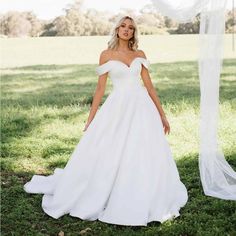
15,127
174,82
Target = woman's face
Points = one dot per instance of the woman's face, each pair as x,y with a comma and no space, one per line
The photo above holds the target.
126,30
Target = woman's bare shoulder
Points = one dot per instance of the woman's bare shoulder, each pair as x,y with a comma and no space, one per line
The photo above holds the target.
105,56
141,53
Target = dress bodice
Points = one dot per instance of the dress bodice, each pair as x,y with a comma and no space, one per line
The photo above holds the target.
122,75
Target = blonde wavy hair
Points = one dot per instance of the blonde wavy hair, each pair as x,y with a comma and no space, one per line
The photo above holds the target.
133,42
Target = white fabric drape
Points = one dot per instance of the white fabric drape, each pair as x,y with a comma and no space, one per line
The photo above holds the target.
180,10
217,177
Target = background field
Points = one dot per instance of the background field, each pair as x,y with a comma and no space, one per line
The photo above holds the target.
86,50
47,89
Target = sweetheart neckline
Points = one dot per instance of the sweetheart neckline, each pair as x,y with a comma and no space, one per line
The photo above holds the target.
128,66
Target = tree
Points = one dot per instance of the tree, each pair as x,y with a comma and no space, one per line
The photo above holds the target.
170,23
15,25
73,23
36,24
98,22
20,24
230,21
78,22
190,27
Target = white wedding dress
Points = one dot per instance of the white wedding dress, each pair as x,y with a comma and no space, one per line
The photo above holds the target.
122,170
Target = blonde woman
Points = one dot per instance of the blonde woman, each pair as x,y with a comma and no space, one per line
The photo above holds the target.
122,170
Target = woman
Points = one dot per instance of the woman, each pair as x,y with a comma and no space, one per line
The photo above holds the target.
122,170
123,47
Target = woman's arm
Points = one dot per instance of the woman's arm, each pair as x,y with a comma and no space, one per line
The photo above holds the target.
150,88
153,94
99,91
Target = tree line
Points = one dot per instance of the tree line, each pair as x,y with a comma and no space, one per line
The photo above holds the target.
77,22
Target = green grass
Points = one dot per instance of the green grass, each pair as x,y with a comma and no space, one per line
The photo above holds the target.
44,108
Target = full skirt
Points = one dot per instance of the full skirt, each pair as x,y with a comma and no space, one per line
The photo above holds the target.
122,170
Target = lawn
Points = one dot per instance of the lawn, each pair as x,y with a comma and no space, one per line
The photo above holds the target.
43,113
86,49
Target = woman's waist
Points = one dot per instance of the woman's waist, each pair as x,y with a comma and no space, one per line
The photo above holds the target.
129,87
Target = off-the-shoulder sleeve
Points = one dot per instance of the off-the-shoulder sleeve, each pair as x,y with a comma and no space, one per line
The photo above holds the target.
102,69
146,63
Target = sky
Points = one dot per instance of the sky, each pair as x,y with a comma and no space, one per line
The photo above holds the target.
49,9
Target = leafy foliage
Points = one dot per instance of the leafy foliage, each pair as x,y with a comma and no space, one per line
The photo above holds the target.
77,22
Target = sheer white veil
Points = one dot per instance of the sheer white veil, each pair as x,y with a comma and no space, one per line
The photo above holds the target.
217,176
